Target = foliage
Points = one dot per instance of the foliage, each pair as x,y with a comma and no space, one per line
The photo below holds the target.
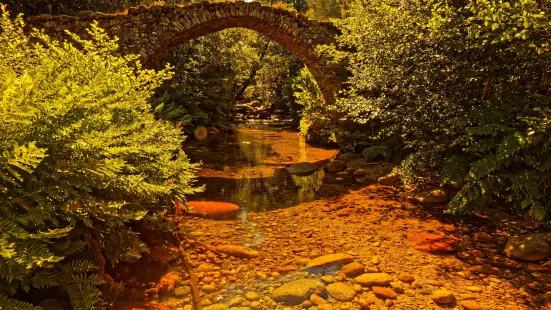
215,71
82,157
56,7
463,89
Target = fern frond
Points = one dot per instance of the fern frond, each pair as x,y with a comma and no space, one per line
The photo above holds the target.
14,304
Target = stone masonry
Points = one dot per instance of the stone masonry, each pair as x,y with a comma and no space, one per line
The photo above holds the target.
153,31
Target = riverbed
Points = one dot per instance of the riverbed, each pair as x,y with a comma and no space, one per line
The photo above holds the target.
338,242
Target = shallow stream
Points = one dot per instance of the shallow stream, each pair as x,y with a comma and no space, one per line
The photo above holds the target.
245,168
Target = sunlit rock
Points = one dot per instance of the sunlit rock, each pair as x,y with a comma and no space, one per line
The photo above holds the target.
214,209
373,279
436,196
442,297
325,261
388,180
237,251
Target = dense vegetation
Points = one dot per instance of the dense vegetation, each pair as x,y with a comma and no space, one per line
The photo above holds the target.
457,92
82,158
460,90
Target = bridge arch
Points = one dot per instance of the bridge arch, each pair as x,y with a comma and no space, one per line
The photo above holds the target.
153,31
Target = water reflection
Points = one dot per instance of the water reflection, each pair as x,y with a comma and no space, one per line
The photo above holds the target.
247,168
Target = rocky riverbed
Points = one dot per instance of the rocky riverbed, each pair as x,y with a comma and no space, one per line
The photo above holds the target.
359,244
356,249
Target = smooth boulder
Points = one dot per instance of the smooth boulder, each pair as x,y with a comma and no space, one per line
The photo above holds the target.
531,248
302,169
388,180
295,292
434,196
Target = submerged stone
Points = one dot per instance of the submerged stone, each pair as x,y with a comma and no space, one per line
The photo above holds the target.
214,209
304,168
237,251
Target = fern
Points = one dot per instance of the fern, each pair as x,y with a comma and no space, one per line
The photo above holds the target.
7,303
455,169
81,157
372,152
80,285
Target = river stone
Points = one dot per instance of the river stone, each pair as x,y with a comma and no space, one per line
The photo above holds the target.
353,269
434,196
237,251
406,277
470,305
182,291
388,180
335,166
384,292
329,260
302,169
374,279
442,297
341,291
214,209
295,292
532,248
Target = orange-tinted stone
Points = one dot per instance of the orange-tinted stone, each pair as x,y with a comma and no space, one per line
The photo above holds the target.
214,209
434,243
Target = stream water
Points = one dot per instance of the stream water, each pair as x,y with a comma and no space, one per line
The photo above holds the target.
306,242
246,168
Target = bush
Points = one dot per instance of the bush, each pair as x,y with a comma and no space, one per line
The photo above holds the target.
464,87
82,157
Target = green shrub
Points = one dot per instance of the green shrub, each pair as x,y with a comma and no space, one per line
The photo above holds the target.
81,158
464,87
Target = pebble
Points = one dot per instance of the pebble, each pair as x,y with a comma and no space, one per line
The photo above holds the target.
353,269
384,292
371,279
442,297
406,277
317,300
470,305
252,296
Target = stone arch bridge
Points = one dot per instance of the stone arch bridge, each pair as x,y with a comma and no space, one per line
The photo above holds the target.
153,31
